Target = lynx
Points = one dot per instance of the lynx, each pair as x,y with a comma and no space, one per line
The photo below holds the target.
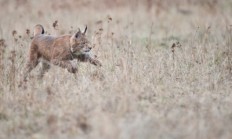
58,51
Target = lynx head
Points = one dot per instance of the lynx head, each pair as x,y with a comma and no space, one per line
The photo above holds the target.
79,43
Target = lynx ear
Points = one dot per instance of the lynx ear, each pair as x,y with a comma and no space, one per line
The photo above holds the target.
77,34
85,29
74,36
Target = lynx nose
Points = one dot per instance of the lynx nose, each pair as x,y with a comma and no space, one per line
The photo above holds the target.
90,48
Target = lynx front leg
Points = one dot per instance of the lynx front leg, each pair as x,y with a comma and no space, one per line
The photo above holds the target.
95,62
64,64
87,57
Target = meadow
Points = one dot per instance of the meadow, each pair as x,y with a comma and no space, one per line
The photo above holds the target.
166,71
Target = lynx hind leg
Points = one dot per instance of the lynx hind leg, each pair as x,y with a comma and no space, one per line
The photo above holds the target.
28,68
26,72
44,68
31,64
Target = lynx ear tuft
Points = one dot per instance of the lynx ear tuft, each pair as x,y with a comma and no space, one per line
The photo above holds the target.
85,29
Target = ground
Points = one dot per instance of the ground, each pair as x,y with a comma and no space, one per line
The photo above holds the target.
167,71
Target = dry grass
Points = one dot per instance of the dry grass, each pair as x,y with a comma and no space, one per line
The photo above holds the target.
167,71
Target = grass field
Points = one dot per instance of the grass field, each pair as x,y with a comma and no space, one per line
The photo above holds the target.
166,74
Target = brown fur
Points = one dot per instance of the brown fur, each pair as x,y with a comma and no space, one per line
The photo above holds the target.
58,51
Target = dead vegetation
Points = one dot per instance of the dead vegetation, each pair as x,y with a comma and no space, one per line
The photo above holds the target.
166,71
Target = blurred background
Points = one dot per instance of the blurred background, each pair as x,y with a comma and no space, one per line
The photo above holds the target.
167,70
